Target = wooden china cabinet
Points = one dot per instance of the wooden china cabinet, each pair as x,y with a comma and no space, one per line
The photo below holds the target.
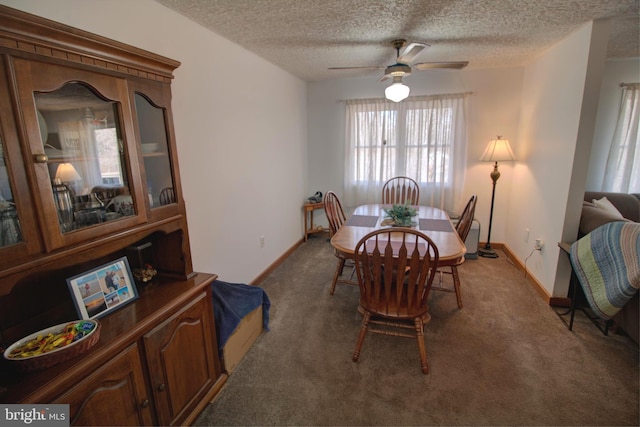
89,174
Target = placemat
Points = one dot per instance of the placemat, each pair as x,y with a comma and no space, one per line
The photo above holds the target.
362,221
428,224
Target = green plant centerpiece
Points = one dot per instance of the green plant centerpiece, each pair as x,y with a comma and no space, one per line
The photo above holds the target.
401,215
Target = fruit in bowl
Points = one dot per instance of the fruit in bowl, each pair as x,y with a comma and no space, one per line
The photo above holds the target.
53,345
50,339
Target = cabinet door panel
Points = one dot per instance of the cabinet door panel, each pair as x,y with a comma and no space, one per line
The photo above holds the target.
114,395
18,233
152,116
80,137
181,361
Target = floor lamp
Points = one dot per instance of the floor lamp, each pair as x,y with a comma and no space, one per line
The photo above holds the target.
498,150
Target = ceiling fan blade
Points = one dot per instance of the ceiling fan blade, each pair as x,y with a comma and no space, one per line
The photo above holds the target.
411,51
432,65
373,67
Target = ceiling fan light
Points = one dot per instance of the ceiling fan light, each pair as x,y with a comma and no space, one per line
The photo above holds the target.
397,91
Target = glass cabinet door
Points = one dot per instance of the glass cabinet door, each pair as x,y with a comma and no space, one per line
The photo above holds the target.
10,232
19,233
87,177
155,151
82,139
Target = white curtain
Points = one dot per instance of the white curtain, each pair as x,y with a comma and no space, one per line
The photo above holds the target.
622,172
422,137
77,139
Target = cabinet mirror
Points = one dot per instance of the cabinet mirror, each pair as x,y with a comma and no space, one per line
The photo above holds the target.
155,151
82,139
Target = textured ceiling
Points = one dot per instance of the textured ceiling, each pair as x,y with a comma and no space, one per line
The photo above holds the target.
305,37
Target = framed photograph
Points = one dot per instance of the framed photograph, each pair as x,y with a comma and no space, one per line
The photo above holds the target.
103,289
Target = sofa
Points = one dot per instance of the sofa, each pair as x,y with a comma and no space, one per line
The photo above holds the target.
593,216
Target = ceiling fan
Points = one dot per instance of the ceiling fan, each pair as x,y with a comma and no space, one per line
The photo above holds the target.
405,54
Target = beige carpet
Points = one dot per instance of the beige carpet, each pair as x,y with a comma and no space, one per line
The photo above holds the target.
504,359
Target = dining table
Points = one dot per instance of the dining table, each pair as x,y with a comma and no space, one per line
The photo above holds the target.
433,222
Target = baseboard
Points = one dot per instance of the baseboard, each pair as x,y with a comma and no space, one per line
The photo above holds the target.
520,266
493,245
542,291
276,263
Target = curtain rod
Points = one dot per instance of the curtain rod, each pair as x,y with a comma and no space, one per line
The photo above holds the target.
629,84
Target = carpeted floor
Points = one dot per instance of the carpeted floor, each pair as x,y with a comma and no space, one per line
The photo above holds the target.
505,359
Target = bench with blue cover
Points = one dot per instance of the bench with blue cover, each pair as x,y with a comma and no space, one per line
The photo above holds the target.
231,303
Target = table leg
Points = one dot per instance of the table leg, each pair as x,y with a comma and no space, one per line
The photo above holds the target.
306,226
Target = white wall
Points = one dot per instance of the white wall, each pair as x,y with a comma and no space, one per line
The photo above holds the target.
240,127
559,102
494,110
616,71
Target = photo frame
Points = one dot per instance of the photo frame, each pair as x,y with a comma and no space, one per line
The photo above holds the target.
103,289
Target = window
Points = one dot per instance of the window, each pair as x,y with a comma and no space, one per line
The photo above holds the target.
428,144
422,137
108,150
622,173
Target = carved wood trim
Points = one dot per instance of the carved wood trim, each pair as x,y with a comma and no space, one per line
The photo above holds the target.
31,34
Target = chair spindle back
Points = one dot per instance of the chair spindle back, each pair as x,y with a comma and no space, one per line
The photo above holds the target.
395,269
464,224
401,190
334,212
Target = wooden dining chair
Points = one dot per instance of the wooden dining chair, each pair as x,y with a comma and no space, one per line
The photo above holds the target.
336,217
401,190
395,269
167,196
462,228
107,192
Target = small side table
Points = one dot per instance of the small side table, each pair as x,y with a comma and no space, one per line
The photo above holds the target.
578,300
308,209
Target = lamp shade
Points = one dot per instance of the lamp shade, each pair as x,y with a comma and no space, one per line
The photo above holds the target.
498,150
67,173
397,91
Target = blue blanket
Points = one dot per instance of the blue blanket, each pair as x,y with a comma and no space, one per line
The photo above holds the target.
232,302
607,264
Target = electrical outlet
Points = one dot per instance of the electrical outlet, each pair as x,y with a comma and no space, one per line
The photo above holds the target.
539,244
